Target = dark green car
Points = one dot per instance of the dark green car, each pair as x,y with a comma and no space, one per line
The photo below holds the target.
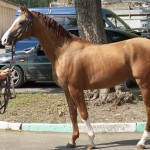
30,65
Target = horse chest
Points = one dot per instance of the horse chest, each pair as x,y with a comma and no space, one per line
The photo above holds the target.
59,77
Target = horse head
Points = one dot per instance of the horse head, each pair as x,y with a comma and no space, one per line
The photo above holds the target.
20,29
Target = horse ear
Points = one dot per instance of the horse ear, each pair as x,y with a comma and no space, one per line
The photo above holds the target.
24,8
21,8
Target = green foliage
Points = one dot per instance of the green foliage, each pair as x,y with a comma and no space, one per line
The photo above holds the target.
33,3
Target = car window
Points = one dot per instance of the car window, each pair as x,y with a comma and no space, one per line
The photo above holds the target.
75,32
116,21
39,50
66,21
115,37
40,53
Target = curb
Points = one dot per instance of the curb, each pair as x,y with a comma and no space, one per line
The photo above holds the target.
9,126
97,127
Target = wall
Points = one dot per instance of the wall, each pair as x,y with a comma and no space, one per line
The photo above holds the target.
7,16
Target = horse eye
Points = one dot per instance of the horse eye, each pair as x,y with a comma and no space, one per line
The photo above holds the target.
21,23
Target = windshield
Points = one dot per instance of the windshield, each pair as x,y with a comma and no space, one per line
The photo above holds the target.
116,21
66,21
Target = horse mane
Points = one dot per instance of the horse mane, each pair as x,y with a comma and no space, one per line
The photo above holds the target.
51,24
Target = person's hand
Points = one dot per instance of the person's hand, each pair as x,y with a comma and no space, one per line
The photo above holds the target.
4,73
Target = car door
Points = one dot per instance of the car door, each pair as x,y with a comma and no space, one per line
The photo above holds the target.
39,67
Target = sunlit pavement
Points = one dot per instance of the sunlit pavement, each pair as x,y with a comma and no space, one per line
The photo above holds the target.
2,50
15,140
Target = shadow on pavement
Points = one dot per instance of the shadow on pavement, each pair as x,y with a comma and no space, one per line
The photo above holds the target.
79,147
106,145
119,144
44,84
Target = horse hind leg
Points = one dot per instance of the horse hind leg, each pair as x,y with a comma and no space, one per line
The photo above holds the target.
145,91
78,97
73,117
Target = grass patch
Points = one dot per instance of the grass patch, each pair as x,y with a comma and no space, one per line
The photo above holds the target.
36,108
23,99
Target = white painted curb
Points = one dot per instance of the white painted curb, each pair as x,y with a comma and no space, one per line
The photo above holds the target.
110,127
9,125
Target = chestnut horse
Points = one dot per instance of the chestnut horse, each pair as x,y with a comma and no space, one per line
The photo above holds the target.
80,65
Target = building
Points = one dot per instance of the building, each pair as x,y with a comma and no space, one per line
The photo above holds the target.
61,3
7,15
136,13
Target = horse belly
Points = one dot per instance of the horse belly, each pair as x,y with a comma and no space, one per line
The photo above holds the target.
108,78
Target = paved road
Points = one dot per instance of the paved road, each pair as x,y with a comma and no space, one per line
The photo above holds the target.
2,50
14,140
44,87
39,87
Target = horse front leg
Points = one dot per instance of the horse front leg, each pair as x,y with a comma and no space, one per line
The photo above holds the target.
73,117
78,97
146,99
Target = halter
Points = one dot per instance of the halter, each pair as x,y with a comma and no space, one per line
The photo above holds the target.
25,29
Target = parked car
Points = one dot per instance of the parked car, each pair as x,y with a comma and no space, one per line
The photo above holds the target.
31,64
66,16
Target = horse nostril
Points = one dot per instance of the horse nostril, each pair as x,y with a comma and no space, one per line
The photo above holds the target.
4,41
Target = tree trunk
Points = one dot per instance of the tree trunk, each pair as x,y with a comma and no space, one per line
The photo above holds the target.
90,20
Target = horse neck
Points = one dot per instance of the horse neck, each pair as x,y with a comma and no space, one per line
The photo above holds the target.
52,42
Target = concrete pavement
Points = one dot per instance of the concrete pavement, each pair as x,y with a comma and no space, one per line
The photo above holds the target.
39,90
15,140
2,50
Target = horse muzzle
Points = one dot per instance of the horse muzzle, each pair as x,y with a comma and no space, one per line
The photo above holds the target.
8,40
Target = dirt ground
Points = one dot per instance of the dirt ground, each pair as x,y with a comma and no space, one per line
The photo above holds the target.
52,108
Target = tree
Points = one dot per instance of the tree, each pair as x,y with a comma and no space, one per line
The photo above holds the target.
90,20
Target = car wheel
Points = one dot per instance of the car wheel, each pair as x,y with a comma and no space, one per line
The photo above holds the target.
17,76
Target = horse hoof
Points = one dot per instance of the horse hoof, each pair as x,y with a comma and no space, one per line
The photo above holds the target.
89,147
140,147
70,145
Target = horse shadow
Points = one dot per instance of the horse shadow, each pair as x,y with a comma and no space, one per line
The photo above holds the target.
80,147
119,144
106,146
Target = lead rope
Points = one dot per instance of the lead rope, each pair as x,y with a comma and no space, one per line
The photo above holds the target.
7,90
